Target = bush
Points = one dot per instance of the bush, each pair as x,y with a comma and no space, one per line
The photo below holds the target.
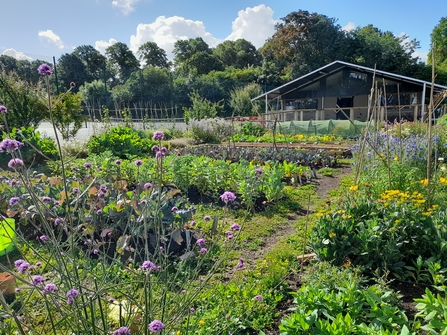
123,142
210,130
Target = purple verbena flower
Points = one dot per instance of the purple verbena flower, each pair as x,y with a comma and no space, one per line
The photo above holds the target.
45,70
228,197
58,221
99,211
15,163
8,145
158,136
103,188
235,227
259,297
46,199
13,201
50,288
75,190
37,280
122,331
71,296
21,265
156,326
193,223
159,154
207,218
192,309
118,162
201,242
148,265
43,238
203,251
138,162
174,209
87,165
147,186
12,182
95,251
155,148
3,109
258,171
241,263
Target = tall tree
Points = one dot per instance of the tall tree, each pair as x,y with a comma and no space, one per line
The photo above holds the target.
305,41
195,57
439,44
122,59
153,55
94,62
71,69
373,47
240,54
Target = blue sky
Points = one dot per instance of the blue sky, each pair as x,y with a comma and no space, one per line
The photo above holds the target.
32,29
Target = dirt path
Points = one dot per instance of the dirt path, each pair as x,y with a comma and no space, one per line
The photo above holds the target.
324,185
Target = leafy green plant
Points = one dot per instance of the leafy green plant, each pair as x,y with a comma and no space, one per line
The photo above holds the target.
433,312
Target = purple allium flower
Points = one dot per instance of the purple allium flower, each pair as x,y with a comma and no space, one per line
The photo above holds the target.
71,296
155,148
37,280
174,209
192,309
3,109
230,236
95,251
138,162
201,242
99,211
87,165
8,145
45,70
148,265
15,163
46,199
147,186
259,297
18,289
13,201
235,227
207,218
58,221
56,203
118,162
75,190
241,263
203,251
122,331
159,154
193,223
258,171
50,288
111,300
156,326
143,202
228,197
43,238
158,136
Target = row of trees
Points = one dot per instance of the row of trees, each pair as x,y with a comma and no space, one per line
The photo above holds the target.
302,42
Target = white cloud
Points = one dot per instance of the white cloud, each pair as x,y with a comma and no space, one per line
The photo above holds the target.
16,54
349,27
422,55
101,46
255,24
51,37
165,31
126,6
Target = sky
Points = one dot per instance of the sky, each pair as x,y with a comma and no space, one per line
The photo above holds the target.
43,29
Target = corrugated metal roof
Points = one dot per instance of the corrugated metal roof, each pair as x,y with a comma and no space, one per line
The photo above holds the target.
337,66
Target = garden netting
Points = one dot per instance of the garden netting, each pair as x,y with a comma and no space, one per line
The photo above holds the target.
324,127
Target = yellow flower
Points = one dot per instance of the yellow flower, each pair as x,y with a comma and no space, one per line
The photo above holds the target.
354,188
331,235
201,322
424,181
396,158
319,215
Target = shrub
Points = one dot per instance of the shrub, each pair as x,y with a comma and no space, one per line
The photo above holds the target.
210,130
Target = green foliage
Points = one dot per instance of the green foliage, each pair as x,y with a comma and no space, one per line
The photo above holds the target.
23,100
334,301
37,149
123,142
210,130
201,108
67,114
433,312
251,129
240,100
